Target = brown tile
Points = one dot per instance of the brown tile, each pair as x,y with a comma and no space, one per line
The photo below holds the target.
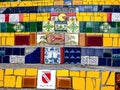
33,39
117,81
29,82
64,82
96,40
82,39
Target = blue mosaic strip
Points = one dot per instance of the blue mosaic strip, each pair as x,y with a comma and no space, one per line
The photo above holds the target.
80,8
72,55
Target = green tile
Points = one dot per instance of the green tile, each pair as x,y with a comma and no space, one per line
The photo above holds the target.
33,27
39,26
88,30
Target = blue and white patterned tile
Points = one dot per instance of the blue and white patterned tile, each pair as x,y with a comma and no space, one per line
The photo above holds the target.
52,55
13,58
93,60
21,59
85,60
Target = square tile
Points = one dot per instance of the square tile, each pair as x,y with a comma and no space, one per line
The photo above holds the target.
29,82
73,27
115,17
2,18
85,60
64,83
46,79
21,59
52,55
13,58
93,60
71,39
60,26
14,18
48,26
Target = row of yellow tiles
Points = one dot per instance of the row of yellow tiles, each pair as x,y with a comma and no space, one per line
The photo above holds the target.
79,83
58,2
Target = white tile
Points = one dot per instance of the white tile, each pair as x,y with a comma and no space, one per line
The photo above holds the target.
21,59
116,17
14,18
93,60
2,17
84,60
46,79
13,59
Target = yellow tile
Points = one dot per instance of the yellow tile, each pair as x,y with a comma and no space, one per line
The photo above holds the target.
9,81
104,77
20,72
107,42
14,4
93,74
74,73
1,83
33,17
31,72
19,82
119,42
115,42
1,74
10,41
111,79
108,88
86,18
114,35
78,83
3,41
97,18
90,84
98,84
8,71
82,73
106,35
62,73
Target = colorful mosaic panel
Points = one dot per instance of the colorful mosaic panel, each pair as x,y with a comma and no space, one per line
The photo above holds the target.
52,34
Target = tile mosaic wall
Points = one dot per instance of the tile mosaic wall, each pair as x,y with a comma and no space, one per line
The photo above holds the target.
59,79
65,32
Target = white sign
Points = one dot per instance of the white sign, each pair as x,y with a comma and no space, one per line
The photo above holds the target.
46,79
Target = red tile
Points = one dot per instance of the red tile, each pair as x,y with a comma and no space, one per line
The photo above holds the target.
117,81
6,17
64,83
94,40
42,56
109,17
72,14
20,17
29,82
61,55
22,40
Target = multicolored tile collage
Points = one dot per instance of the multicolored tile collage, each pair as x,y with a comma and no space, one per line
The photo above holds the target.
65,32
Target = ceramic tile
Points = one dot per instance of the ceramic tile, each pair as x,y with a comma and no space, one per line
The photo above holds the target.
85,60
71,39
46,79
64,83
29,82
93,60
52,55
73,27
48,26
117,81
21,59
115,17
60,26
13,59
14,18
2,18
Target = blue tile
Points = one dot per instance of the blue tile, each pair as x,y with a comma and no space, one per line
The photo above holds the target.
16,51
90,51
6,59
116,63
99,52
102,62
109,61
107,55
22,51
83,52
34,57
0,59
116,51
8,51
